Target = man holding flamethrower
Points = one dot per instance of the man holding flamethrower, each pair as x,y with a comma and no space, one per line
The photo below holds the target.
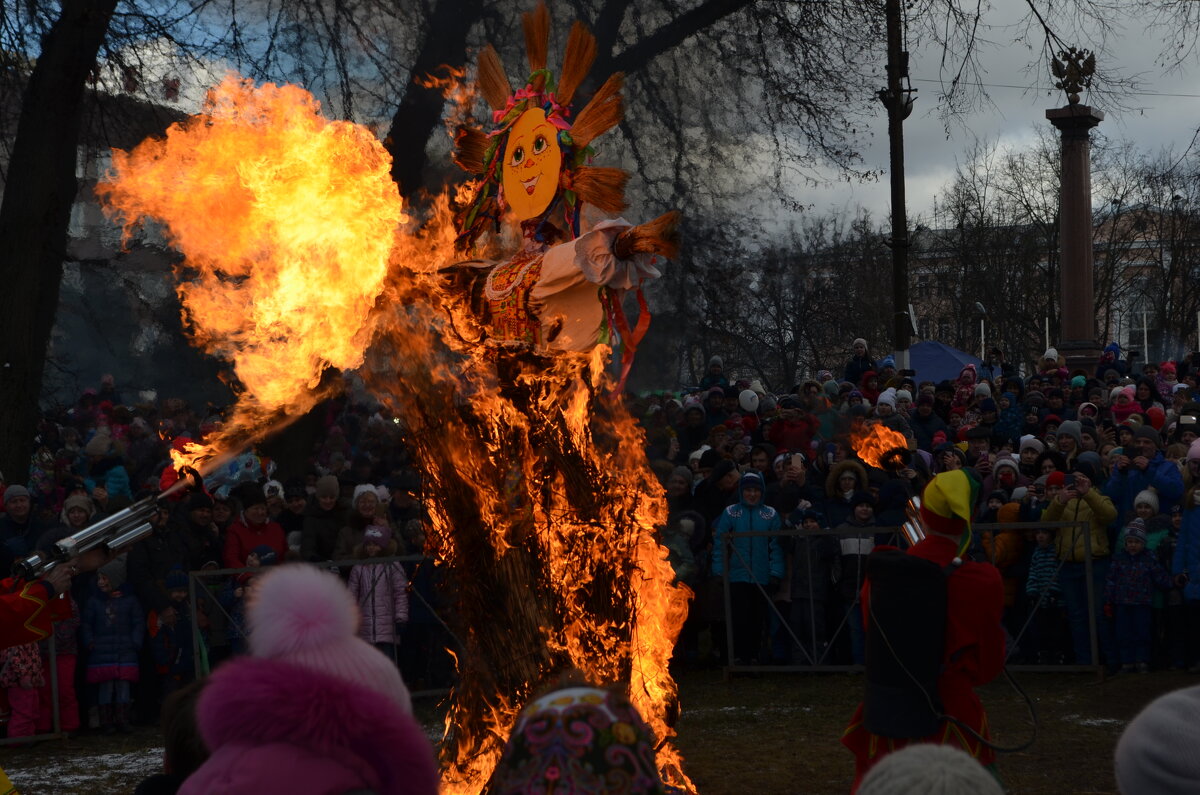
28,603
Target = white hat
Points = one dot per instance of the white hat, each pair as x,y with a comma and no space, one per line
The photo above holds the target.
748,400
930,770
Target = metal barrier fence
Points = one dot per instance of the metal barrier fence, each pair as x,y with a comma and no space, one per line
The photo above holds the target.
198,590
816,660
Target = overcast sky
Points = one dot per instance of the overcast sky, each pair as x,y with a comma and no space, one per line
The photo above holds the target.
1154,121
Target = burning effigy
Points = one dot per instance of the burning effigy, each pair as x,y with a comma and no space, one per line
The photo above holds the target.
487,321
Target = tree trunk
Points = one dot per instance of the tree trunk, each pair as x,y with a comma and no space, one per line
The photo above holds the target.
420,112
38,196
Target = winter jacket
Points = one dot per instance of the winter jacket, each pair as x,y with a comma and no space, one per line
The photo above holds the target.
854,549
319,533
273,726
754,559
857,367
1187,554
1162,474
1043,573
1095,509
112,631
181,545
241,539
172,645
924,428
837,505
17,540
381,590
1133,579
813,561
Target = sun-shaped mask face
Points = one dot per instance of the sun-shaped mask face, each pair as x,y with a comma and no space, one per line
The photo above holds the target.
532,160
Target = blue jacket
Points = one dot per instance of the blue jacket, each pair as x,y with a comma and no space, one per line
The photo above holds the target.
753,559
112,629
1162,474
1133,579
1187,554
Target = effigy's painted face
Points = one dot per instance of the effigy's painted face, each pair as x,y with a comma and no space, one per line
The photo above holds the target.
532,160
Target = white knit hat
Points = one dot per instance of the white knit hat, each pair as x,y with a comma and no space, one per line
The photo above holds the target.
1157,752
361,489
929,770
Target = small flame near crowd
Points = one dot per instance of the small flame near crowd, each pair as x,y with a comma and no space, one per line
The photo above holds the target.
879,446
300,260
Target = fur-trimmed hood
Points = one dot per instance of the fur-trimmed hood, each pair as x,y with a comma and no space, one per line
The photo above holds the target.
831,480
277,727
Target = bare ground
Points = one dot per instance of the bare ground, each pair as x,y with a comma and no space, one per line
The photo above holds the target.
772,734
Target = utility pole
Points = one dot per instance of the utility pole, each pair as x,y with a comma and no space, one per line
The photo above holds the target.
898,101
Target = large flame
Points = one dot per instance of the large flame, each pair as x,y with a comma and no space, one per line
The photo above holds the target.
877,445
542,507
287,238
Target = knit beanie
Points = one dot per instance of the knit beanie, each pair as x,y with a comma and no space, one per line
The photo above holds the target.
887,398
1136,529
114,570
305,616
1148,432
177,579
1148,497
983,390
79,501
377,534
327,486
1073,429
16,490
361,489
1157,751
930,770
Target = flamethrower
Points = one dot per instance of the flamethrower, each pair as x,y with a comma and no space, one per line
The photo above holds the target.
116,532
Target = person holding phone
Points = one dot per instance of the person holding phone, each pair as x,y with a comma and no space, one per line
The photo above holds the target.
1080,501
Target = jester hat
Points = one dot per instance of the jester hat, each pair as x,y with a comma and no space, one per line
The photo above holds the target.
947,502
560,145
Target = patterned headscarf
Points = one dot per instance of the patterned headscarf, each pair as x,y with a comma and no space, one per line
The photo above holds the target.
578,741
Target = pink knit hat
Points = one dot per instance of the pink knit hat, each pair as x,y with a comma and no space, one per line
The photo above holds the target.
305,616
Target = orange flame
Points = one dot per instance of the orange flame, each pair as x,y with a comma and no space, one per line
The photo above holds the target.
873,442
539,494
286,236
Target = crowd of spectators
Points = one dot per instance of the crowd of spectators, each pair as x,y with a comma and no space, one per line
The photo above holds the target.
1110,447
135,636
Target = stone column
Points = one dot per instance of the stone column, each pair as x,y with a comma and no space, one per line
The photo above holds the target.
1076,289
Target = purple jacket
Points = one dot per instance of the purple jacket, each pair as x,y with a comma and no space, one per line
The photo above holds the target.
381,590
1132,580
277,727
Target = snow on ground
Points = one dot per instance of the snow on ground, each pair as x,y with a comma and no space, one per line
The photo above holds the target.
82,772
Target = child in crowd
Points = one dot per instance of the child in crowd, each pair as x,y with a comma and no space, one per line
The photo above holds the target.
381,590
21,678
66,656
171,639
1045,598
237,591
1128,594
112,633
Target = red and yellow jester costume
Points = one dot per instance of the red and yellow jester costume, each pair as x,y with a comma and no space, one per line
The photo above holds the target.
27,610
973,653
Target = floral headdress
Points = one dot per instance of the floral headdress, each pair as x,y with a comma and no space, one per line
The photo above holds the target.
482,153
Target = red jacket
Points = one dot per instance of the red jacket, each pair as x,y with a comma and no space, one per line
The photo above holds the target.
973,655
241,539
27,610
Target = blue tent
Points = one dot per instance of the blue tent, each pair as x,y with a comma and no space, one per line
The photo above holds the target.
934,361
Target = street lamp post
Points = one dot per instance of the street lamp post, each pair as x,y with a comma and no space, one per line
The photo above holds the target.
898,99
